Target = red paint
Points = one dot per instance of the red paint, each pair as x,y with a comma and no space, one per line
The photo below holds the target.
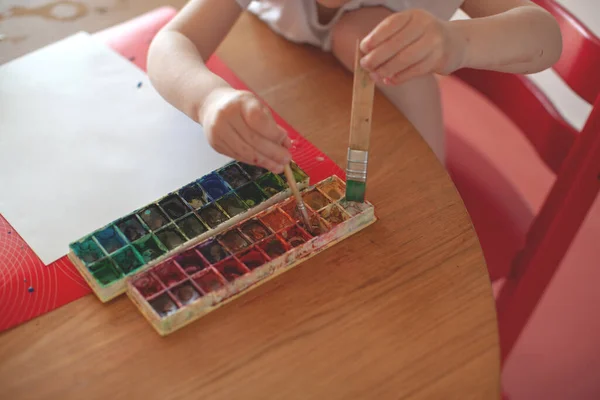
147,285
253,258
274,247
255,230
186,293
234,241
231,269
276,220
191,262
209,280
295,236
573,156
169,273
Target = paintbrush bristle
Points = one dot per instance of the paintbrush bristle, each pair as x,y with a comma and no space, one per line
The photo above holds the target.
355,191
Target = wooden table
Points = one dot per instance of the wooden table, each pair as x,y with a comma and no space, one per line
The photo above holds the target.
403,309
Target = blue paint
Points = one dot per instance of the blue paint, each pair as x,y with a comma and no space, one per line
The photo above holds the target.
110,239
214,186
139,85
30,290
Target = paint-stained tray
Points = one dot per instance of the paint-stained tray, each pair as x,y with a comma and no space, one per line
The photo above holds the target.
177,221
191,283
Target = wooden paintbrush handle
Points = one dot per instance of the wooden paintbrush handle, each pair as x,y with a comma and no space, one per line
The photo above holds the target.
289,175
363,93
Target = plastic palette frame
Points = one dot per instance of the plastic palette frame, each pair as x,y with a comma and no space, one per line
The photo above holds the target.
357,216
116,276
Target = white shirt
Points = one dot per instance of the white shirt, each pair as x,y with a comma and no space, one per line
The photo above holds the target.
297,20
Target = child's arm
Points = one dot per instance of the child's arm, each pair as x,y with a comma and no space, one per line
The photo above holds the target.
503,35
235,122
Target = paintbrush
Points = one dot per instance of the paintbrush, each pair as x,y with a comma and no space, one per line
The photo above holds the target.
289,175
360,130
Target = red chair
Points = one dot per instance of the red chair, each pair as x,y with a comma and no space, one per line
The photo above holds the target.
522,246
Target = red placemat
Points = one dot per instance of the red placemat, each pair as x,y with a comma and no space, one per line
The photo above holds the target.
28,288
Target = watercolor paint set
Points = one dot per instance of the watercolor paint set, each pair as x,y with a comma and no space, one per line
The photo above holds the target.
207,243
193,282
107,257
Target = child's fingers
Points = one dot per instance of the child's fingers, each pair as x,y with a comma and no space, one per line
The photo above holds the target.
386,29
246,153
420,68
286,142
263,150
388,49
413,54
276,152
259,119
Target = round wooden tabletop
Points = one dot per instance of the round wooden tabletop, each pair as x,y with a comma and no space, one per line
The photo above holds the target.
403,309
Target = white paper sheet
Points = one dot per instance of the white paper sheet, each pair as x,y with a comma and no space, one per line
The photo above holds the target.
81,145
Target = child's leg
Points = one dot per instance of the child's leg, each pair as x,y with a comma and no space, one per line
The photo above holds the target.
418,99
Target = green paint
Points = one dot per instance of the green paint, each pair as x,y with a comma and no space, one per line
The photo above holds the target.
298,173
232,204
149,247
128,260
87,250
105,272
191,226
355,191
171,237
212,215
271,184
251,194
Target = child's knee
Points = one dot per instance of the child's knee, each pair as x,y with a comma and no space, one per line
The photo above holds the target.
352,26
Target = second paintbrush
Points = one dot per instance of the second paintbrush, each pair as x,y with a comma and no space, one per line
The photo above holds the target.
360,129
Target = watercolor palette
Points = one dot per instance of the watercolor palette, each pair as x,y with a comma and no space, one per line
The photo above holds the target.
200,209
191,283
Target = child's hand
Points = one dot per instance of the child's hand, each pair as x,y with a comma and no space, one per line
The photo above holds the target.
238,125
410,44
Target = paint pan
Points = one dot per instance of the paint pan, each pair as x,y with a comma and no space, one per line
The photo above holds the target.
251,194
255,230
234,176
213,251
232,204
315,199
174,206
128,260
153,217
194,195
191,261
132,227
191,226
214,186
234,241
276,220
253,171
333,189
213,215
170,236
271,184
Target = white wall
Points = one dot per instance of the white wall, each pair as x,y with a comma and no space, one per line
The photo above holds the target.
573,108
